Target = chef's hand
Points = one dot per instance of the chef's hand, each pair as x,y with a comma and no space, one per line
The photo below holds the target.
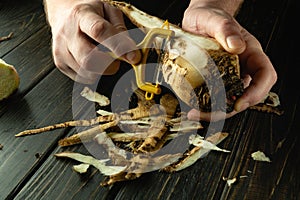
215,19
78,29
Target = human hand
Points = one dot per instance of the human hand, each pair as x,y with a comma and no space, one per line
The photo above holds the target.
78,28
257,71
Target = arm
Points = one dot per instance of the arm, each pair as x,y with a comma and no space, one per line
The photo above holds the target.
230,6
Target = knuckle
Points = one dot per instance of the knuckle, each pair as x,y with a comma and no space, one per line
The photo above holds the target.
226,24
274,77
97,28
59,64
77,10
83,62
56,54
121,27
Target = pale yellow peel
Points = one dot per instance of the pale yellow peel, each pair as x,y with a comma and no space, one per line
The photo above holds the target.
9,80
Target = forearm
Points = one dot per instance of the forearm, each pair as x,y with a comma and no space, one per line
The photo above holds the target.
230,6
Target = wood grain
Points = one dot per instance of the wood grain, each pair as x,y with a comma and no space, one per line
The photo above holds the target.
23,19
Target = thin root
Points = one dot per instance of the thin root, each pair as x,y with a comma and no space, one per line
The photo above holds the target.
3,38
67,124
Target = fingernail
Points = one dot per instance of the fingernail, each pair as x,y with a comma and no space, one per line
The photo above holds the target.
193,115
234,42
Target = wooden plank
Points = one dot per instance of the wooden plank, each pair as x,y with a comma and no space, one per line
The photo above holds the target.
55,179
22,19
46,103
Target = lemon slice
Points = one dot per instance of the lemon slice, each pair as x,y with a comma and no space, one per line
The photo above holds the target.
9,79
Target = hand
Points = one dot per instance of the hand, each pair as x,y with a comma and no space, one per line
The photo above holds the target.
257,71
79,28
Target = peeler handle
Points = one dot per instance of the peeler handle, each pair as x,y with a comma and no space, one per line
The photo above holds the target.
139,68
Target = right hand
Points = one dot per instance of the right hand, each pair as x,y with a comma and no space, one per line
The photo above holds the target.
257,71
78,28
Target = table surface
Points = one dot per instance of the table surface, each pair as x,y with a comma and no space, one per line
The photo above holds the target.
28,169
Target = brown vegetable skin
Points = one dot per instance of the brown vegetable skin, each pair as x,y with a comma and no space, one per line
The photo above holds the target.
9,80
193,64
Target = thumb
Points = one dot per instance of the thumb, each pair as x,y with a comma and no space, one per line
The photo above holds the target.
115,17
229,35
106,34
216,24
233,43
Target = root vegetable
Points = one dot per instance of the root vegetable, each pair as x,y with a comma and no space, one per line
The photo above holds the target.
197,68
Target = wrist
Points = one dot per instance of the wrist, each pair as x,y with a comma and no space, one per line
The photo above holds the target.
50,7
230,6
55,8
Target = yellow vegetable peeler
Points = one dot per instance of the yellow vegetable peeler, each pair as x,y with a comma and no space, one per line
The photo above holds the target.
139,68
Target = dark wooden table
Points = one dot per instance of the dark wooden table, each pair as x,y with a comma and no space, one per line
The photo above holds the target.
28,169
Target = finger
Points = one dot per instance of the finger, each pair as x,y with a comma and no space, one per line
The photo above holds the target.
78,76
262,73
115,17
67,64
90,59
83,74
69,72
196,115
61,56
102,31
228,34
260,85
99,62
246,80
